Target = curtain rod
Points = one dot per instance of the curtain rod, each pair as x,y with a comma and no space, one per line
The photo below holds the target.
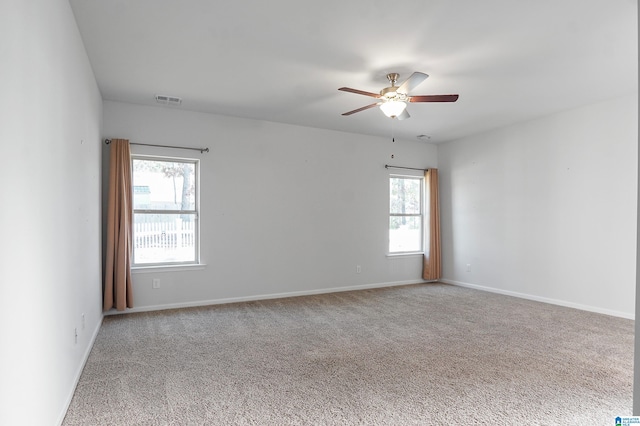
386,166
108,141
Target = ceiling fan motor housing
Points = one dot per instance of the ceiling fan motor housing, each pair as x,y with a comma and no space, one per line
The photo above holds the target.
391,93
388,92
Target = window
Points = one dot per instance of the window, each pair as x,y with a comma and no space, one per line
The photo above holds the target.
405,214
165,211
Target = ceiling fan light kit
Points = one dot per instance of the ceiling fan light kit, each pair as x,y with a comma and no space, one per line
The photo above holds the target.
393,108
393,99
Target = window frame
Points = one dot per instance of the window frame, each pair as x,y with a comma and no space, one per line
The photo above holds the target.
420,215
195,211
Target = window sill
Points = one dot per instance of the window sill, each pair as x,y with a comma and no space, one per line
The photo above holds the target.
413,253
167,268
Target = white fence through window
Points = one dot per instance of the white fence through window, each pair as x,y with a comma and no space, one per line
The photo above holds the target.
176,240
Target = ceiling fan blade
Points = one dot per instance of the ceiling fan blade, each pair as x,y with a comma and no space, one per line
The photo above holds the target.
412,82
433,98
361,109
404,115
359,92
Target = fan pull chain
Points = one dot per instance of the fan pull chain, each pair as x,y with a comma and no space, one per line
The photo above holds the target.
393,131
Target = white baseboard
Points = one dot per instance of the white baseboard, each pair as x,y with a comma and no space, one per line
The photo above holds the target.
76,379
262,297
542,299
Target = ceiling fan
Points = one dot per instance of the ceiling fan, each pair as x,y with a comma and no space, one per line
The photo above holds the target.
393,100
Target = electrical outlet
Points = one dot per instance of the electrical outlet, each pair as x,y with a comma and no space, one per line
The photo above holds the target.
156,283
83,322
75,333
358,269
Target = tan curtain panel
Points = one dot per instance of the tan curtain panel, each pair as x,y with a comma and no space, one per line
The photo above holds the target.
118,291
432,264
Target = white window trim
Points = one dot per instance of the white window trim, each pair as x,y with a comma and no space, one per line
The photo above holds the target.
422,216
168,268
174,266
405,254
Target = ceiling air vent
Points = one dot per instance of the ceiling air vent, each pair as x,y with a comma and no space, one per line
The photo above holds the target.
168,100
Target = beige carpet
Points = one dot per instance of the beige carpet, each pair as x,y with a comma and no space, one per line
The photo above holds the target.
424,354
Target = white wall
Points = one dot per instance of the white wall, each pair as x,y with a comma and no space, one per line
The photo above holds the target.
50,215
547,209
285,209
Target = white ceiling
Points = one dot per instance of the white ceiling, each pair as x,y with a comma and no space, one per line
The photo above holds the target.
283,60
